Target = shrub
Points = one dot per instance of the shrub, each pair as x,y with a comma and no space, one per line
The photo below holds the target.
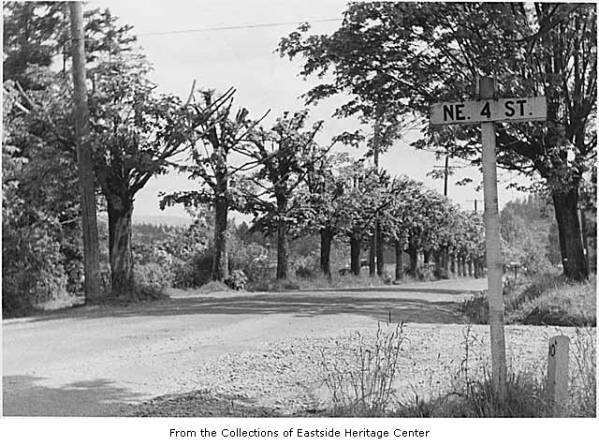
252,259
476,308
425,273
212,287
273,285
237,280
303,272
152,276
306,267
32,270
193,273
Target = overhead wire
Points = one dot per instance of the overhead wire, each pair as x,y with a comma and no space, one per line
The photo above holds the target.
234,27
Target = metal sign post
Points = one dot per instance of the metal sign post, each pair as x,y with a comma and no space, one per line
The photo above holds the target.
486,111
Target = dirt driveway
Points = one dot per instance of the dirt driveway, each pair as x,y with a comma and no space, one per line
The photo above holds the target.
93,361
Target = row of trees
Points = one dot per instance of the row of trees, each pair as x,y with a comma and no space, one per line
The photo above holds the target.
396,58
388,56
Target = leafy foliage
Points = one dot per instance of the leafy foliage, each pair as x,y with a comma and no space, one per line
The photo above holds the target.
420,53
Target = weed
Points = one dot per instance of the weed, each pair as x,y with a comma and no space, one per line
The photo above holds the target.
361,383
583,376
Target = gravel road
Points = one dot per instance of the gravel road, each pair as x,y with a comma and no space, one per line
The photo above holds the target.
261,347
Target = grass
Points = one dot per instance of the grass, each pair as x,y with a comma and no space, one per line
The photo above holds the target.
545,300
364,280
363,385
583,376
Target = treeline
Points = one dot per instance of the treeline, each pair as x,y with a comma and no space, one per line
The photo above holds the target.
290,184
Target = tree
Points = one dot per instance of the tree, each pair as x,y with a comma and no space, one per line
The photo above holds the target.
396,221
420,53
365,194
35,34
217,135
282,169
325,184
135,134
39,212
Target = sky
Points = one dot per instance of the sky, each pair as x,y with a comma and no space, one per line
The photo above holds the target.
245,58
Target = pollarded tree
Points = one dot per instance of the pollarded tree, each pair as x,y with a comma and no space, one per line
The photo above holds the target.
282,168
325,184
397,218
468,248
367,193
135,133
218,134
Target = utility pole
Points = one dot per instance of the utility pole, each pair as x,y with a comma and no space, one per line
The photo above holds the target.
87,185
446,175
475,201
375,258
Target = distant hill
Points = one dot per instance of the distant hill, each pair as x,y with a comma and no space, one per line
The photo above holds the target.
157,220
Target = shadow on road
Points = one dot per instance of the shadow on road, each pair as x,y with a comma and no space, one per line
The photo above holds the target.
301,304
24,396
401,290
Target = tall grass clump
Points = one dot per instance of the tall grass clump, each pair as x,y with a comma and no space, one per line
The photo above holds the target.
471,393
583,374
360,375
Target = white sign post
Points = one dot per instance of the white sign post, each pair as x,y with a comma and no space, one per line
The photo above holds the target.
486,111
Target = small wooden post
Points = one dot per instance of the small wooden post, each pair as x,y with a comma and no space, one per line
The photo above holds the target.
557,373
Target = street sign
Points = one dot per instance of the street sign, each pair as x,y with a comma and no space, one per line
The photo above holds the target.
491,110
487,111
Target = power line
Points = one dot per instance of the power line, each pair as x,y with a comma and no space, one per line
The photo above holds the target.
224,28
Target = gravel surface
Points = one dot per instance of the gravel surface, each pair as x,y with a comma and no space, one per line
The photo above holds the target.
285,378
238,354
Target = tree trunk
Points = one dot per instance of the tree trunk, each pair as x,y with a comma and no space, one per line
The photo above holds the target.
354,244
445,262
413,253
372,257
220,261
91,250
427,255
470,268
282,242
398,261
119,242
326,237
452,264
380,252
573,261
282,250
